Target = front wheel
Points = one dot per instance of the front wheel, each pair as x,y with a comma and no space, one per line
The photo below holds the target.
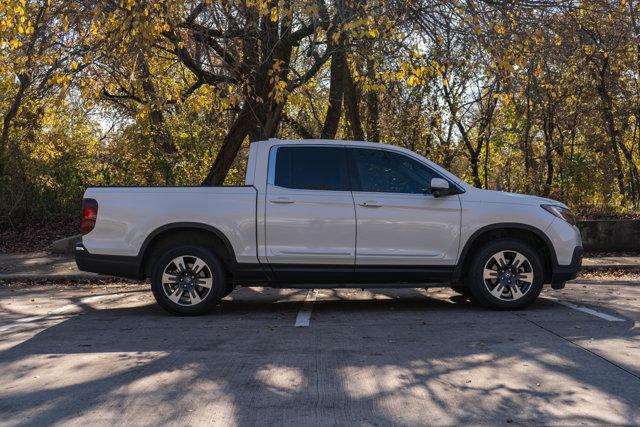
506,274
188,280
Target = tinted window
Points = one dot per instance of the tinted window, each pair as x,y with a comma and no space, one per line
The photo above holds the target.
388,172
311,168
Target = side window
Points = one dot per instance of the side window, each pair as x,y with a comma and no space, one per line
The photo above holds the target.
312,168
384,171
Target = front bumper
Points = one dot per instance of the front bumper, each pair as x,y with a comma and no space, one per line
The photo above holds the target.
112,265
564,273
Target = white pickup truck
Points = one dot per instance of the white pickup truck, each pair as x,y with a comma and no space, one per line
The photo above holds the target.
332,214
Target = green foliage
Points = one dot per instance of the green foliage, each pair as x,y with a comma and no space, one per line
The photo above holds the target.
516,97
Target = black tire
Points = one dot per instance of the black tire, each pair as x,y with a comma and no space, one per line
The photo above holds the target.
480,288
185,306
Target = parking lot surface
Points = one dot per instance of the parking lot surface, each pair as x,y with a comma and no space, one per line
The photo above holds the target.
107,354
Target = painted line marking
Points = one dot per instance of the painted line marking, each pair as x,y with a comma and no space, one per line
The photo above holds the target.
587,310
59,310
304,315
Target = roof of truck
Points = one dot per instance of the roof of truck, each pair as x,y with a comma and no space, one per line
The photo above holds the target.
331,141
440,169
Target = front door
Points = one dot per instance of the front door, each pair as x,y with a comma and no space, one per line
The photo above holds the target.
309,218
400,224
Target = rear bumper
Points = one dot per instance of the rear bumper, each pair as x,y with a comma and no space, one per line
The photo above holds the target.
129,267
563,273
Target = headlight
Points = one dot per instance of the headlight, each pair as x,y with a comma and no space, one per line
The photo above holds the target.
560,212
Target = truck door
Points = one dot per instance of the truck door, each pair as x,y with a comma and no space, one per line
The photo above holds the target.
401,227
309,213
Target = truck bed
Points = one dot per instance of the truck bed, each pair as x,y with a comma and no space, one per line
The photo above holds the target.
129,215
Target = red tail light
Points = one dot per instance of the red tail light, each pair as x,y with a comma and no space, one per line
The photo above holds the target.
89,215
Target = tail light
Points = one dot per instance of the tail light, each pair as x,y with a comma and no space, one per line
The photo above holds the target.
89,215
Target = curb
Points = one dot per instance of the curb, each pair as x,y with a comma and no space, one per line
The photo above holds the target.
54,277
66,245
606,267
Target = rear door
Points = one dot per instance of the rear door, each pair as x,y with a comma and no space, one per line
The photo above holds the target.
309,213
399,222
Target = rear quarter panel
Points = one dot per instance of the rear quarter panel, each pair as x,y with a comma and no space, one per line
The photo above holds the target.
127,215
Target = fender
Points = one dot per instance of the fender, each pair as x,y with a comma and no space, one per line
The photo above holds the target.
191,225
457,272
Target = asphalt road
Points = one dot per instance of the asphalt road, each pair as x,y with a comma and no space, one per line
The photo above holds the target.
106,354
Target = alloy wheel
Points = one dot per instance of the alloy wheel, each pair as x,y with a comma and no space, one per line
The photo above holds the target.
508,275
187,280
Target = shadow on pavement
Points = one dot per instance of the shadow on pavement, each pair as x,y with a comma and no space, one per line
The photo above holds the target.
409,360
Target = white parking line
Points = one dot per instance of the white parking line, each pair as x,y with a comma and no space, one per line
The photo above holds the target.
587,310
304,315
60,310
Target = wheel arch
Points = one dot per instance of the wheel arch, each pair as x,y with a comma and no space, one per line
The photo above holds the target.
527,233
188,232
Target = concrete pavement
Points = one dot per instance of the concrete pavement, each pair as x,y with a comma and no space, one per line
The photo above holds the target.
41,266
108,355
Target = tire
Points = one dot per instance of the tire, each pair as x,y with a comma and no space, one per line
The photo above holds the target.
188,280
505,274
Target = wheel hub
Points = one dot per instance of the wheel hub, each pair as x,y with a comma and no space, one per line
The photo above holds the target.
507,276
187,280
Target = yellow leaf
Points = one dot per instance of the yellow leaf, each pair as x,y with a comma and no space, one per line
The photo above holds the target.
538,71
74,65
274,14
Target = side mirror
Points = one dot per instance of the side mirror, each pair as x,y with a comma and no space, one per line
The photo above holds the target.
439,187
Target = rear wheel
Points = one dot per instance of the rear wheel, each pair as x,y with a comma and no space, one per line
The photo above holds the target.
506,274
188,280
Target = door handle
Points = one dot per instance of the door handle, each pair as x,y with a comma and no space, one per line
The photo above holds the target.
281,200
371,204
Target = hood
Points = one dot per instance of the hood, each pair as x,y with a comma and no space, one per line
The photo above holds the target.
491,196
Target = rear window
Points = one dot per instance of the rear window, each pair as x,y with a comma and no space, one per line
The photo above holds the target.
311,168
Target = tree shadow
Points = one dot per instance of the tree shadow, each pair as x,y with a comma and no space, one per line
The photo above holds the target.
409,360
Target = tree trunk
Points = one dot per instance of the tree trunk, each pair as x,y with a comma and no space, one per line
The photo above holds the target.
11,113
609,120
548,154
336,92
433,121
351,105
475,170
526,145
230,147
373,126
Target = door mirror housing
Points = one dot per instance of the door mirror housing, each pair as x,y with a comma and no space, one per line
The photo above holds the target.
439,187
